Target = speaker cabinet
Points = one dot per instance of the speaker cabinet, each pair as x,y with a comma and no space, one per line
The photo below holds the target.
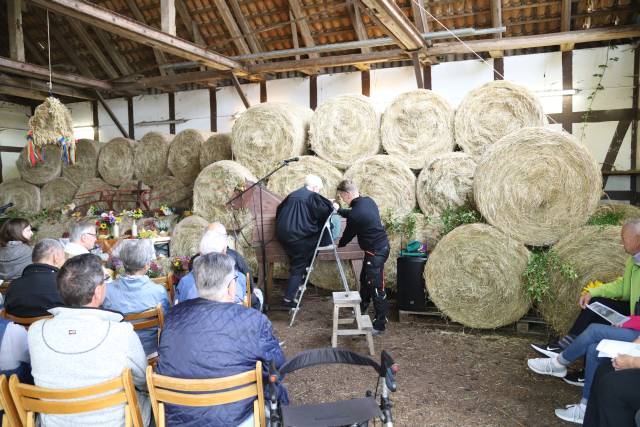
410,283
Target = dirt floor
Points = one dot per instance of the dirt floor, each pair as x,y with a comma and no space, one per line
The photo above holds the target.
447,377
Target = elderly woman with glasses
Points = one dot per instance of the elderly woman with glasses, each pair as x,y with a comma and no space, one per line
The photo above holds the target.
134,292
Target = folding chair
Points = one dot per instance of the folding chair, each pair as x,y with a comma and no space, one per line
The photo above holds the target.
23,321
30,400
206,392
10,416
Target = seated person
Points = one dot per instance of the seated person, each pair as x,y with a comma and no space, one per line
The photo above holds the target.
82,238
15,249
214,240
135,292
584,344
83,345
211,337
14,352
241,264
33,294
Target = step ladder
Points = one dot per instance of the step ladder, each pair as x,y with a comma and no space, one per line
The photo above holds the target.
351,302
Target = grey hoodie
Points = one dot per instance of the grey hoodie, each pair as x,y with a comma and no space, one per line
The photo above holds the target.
13,259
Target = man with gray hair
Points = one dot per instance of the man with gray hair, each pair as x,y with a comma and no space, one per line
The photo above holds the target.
82,238
299,221
211,337
36,292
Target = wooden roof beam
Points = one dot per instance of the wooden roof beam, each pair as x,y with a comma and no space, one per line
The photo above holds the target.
358,26
34,51
190,24
232,26
39,85
42,73
396,24
138,32
16,35
81,65
565,23
92,46
168,16
110,47
251,38
302,25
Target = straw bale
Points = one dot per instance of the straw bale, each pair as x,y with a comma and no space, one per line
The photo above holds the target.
86,165
493,111
51,120
474,276
345,129
325,275
57,193
291,177
186,236
84,198
215,148
626,211
44,171
53,228
184,154
387,180
244,246
170,191
215,186
151,154
416,126
268,133
537,185
115,161
445,182
594,253
24,196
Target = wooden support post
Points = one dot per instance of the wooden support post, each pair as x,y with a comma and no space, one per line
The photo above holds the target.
634,124
263,91
172,113
426,73
614,148
112,115
498,69
243,97
313,92
16,35
168,16
213,109
567,84
365,79
130,116
96,121
417,68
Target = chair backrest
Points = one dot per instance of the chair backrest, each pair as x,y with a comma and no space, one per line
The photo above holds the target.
30,400
167,283
247,295
10,417
206,392
24,321
154,317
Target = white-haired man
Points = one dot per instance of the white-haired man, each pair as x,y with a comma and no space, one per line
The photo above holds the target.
82,238
299,221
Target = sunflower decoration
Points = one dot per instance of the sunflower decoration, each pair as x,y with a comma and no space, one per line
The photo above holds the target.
591,285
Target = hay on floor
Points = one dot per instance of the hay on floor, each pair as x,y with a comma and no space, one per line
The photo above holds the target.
91,191
44,171
184,154
186,236
57,193
291,177
115,161
151,154
86,165
24,196
417,126
217,147
536,185
492,111
345,129
170,191
474,276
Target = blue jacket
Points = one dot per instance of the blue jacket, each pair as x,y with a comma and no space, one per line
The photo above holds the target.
186,288
208,339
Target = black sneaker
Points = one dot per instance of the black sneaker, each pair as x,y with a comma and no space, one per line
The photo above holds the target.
551,349
288,303
575,378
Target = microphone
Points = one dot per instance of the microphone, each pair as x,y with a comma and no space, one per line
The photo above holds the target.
293,159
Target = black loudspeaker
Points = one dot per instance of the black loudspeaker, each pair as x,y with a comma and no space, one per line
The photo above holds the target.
410,283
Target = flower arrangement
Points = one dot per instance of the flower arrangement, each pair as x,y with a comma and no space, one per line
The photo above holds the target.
92,211
147,234
135,214
164,211
155,270
106,222
180,265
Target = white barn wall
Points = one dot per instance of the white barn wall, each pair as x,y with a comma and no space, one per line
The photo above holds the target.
14,120
150,108
332,85
193,106
293,91
230,104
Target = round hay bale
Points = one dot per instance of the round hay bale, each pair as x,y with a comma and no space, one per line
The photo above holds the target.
151,153
184,154
53,228
57,193
86,165
43,172
126,196
291,178
345,129
170,191
115,161
475,277
24,196
536,185
387,180
325,275
215,148
493,111
445,182
268,133
595,253
89,194
244,247
215,186
624,211
416,126
186,236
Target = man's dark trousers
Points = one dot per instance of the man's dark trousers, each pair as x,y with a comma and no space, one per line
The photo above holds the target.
372,286
300,254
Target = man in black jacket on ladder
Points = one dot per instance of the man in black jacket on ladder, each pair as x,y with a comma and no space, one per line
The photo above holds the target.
363,221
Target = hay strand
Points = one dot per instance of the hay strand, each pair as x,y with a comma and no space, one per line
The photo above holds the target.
186,236
89,194
268,133
184,154
151,154
170,191
45,171
493,111
86,165
345,129
474,276
291,177
537,185
51,120
217,147
24,196
594,253
115,161
57,193
417,126
387,180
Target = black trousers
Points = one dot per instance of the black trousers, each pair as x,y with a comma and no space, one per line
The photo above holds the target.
300,254
615,398
372,286
587,317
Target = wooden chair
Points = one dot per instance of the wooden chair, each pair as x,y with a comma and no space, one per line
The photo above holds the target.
154,317
4,286
10,417
167,283
210,392
30,400
247,295
24,321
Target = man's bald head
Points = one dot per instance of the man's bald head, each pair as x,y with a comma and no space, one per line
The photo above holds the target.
631,236
217,227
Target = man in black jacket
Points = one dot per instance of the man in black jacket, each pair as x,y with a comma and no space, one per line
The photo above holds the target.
299,221
363,221
36,291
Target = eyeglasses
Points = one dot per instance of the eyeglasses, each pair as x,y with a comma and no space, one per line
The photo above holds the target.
91,234
235,277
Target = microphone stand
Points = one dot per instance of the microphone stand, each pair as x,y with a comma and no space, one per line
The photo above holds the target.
263,244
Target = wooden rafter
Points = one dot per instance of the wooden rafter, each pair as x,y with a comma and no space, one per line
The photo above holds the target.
496,21
232,27
251,38
39,85
189,23
92,47
358,26
395,23
565,23
42,73
81,66
33,50
111,48
302,25
16,35
168,16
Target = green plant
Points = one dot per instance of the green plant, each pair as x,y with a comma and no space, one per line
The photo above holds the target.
606,218
403,225
453,217
537,275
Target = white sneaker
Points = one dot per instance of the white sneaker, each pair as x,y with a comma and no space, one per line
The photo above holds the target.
326,248
546,366
572,413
